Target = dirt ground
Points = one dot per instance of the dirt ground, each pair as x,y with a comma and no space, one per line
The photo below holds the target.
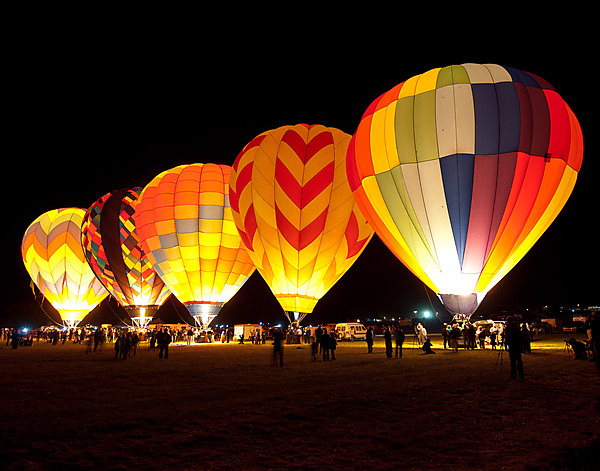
226,406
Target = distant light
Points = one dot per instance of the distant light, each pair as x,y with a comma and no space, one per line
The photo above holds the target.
426,314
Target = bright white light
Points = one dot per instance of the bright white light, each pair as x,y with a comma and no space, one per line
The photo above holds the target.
426,314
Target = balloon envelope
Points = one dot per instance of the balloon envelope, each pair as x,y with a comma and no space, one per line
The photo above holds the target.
186,228
295,212
54,258
111,245
461,169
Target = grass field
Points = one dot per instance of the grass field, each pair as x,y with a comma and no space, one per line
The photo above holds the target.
226,406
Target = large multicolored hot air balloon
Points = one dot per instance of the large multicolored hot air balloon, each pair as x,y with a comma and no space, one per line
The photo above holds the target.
186,228
295,212
54,258
110,242
461,169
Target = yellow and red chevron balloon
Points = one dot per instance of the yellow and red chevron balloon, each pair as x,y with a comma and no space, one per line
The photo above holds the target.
54,258
111,245
295,211
186,228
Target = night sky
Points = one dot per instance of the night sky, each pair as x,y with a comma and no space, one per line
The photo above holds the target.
96,108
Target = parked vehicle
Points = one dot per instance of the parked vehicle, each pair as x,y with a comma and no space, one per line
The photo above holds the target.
247,330
351,331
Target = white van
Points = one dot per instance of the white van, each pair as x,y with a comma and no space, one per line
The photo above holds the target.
351,331
246,330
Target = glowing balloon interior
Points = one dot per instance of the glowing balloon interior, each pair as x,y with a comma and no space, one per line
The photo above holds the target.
295,212
55,260
186,228
111,245
461,169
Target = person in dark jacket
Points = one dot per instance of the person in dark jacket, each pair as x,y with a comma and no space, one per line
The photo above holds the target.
164,339
278,336
399,339
325,343
514,344
332,344
388,342
369,338
427,346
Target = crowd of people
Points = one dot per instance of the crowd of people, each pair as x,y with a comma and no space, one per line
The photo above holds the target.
510,335
479,336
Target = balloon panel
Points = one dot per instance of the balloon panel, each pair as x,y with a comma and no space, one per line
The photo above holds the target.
54,258
187,230
111,245
461,169
295,212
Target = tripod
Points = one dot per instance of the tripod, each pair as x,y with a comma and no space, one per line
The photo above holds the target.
499,357
416,342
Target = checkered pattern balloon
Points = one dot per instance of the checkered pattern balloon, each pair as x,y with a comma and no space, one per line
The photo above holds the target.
112,248
461,169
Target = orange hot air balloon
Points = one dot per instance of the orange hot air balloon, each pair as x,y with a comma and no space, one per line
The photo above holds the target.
55,260
461,169
186,229
295,212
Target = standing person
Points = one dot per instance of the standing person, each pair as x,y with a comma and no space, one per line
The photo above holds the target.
388,342
595,339
277,346
97,338
14,339
318,334
399,339
190,335
421,333
514,343
453,337
445,335
125,346
493,334
482,337
332,344
117,347
159,342
526,338
472,336
135,340
314,348
165,340
588,325
369,339
325,341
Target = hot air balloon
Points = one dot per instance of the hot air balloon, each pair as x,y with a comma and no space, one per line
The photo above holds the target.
295,212
110,242
54,258
186,228
461,169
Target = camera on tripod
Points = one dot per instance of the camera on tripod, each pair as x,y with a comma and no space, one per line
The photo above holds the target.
568,348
